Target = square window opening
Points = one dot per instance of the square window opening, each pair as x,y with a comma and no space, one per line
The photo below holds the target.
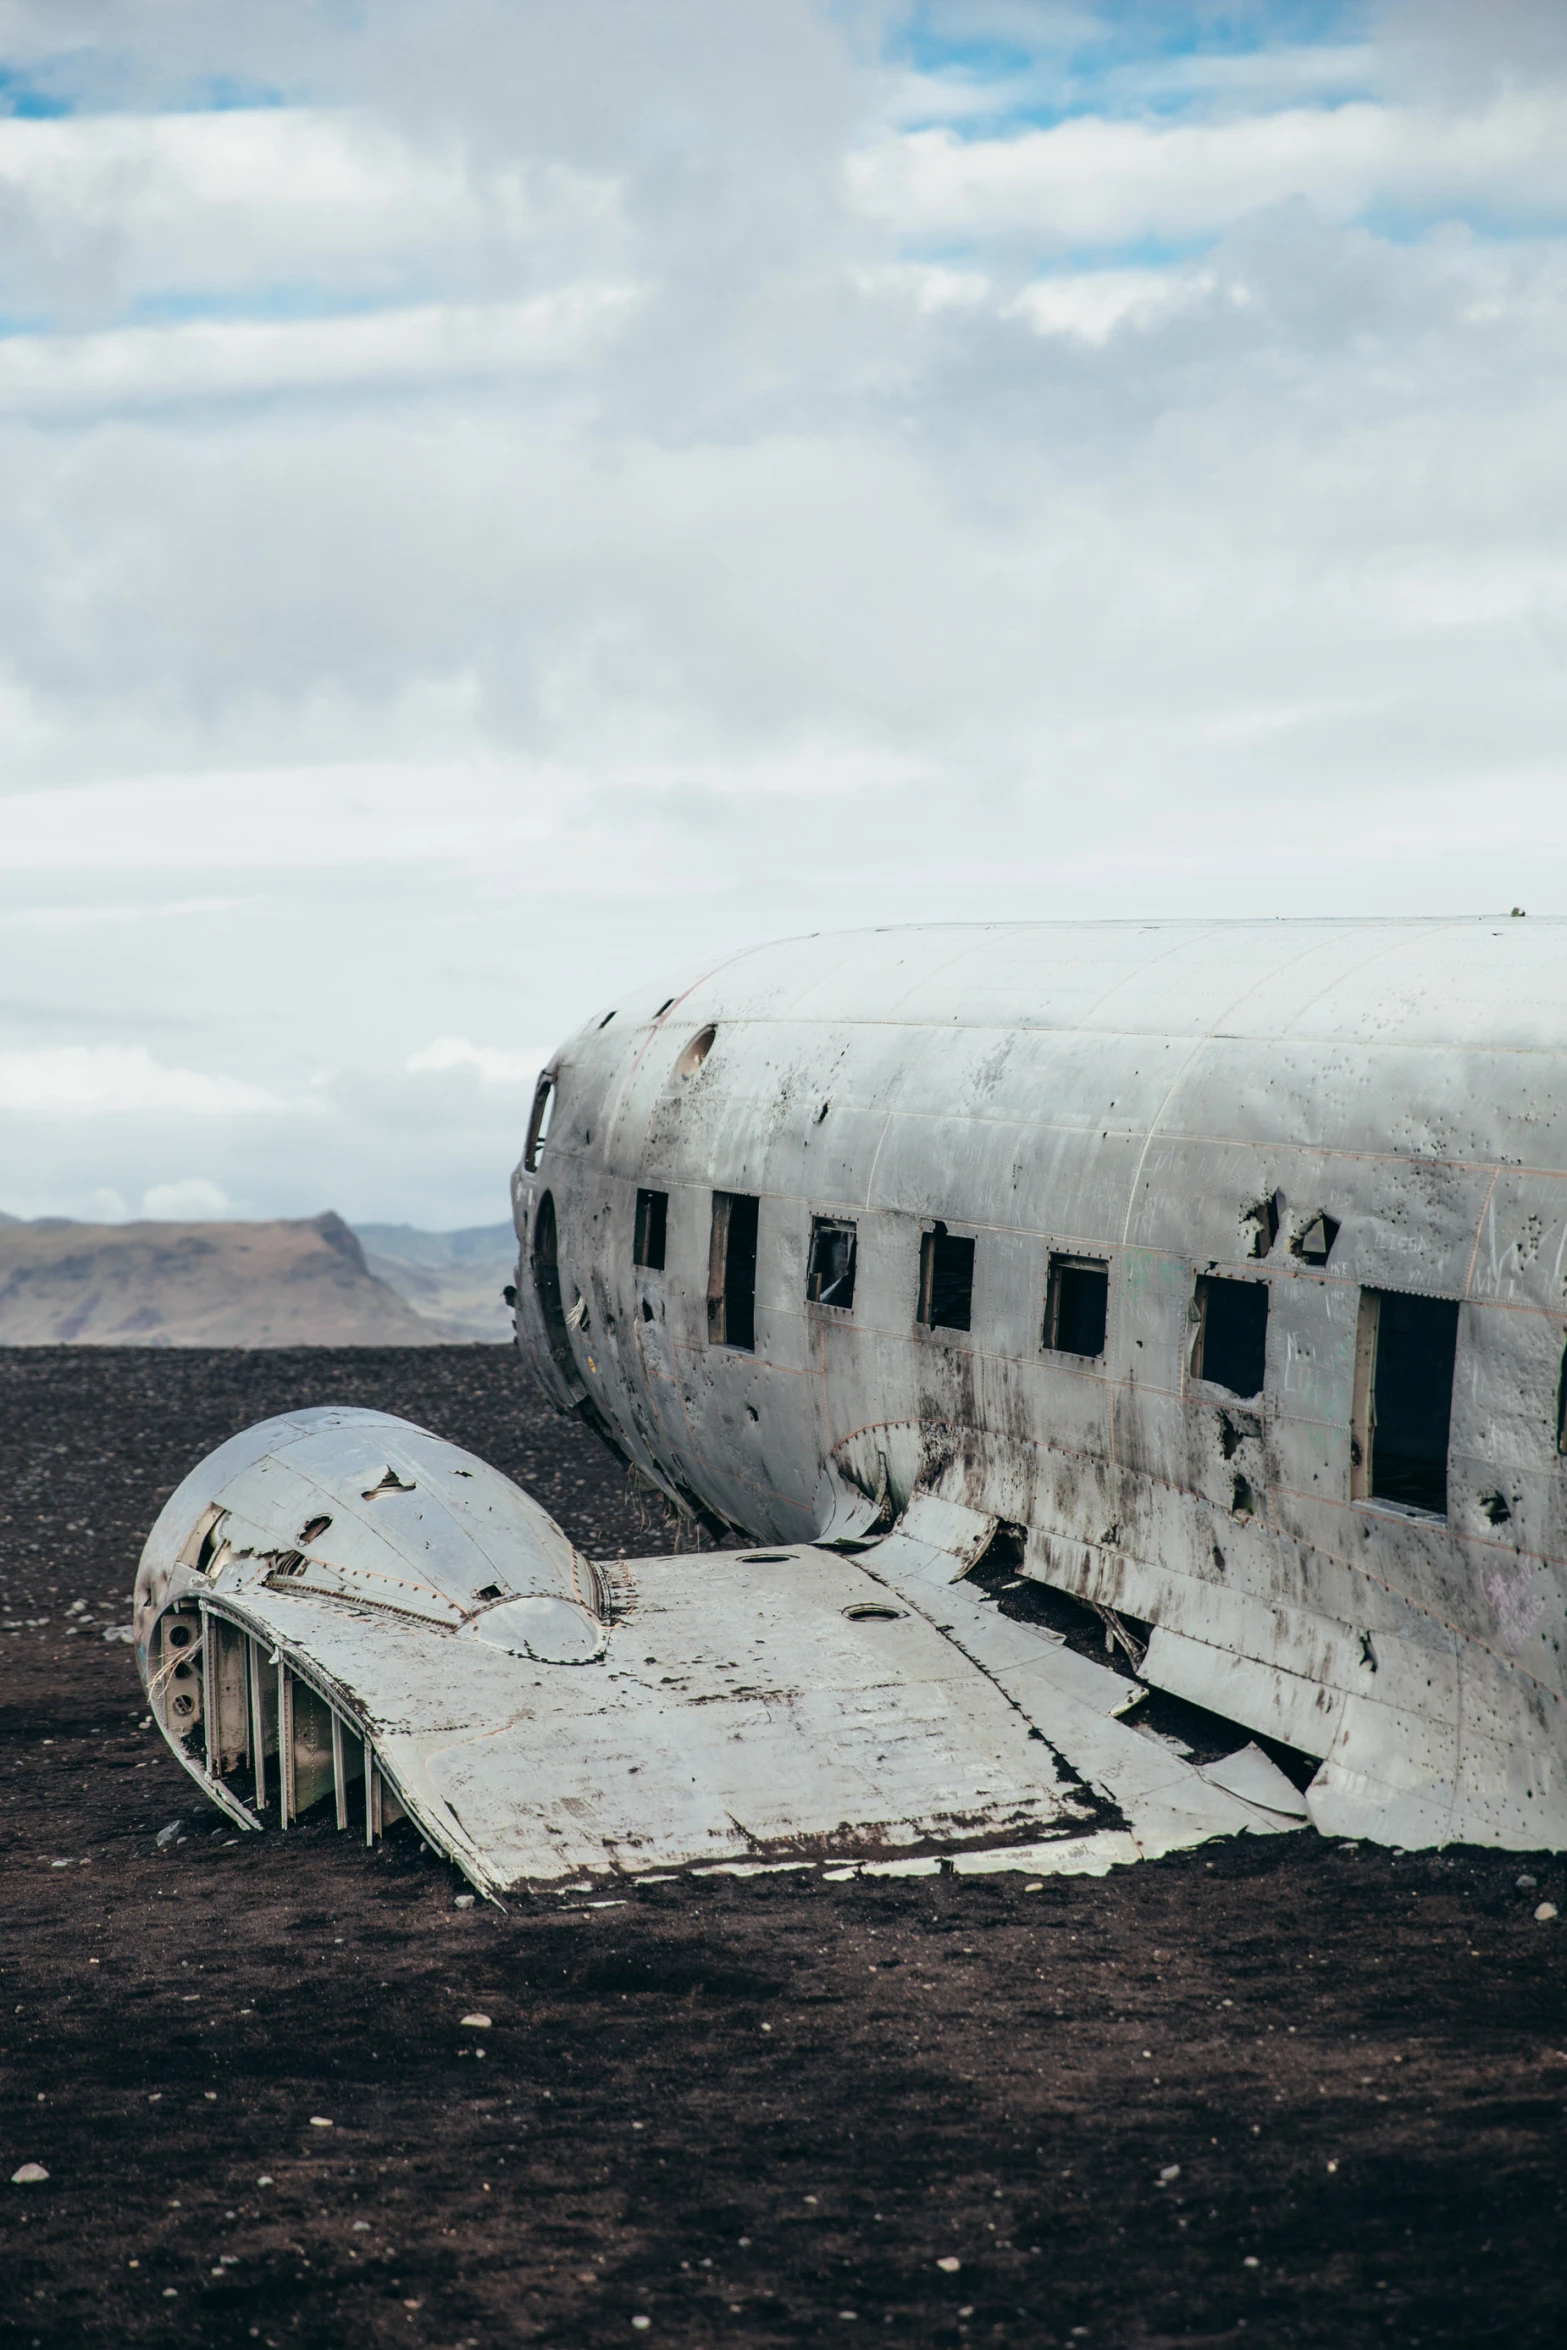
652,1230
829,1274
731,1272
1077,1302
1232,1333
1405,1351
946,1280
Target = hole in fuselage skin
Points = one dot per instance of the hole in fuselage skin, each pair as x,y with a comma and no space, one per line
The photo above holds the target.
1264,1221
314,1528
870,1612
696,1052
390,1483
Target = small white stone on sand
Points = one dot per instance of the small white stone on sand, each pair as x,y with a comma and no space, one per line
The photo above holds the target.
475,2023
1545,1912
31,2174
318,2121
949,2264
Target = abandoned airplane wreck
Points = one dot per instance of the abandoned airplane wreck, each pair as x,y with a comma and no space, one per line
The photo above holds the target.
1213,1277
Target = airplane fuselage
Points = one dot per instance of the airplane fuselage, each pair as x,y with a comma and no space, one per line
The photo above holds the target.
1223,1263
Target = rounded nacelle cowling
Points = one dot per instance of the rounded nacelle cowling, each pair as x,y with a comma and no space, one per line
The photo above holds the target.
360,1508
323,1601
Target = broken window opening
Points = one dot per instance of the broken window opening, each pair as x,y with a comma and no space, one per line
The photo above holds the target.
1077,1302
946,1297
539,1121
829,1275
1405,1351
1313,1244
1231,1350
652,1230
731,1271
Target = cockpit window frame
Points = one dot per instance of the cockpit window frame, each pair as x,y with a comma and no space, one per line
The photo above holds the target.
539,1119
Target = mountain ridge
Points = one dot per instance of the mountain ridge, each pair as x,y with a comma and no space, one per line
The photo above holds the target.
288,1281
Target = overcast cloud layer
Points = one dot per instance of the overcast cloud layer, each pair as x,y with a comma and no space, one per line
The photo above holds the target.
503,500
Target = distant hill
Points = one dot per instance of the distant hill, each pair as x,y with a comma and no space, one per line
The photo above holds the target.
296,1283
453,1278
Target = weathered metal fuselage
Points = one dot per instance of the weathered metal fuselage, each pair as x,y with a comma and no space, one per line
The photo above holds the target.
1350,1116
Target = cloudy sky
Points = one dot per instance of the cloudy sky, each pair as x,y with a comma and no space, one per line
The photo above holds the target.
502,498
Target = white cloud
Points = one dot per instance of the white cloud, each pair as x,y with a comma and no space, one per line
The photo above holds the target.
1092,304
114,917
490,1064
117,1081
54,375
192,1199
558,494
1097,180
103,209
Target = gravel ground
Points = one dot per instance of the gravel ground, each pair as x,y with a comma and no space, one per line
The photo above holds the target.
1276,2093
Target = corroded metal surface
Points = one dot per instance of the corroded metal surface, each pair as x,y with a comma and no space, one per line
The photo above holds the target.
340,1605
1109,1244
1175,1101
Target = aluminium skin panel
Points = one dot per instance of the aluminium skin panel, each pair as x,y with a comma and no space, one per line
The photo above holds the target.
1131,1092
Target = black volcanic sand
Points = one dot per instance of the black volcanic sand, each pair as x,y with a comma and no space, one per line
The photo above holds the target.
721,2111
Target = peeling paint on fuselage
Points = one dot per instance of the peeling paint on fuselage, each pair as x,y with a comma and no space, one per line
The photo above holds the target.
1127,1093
